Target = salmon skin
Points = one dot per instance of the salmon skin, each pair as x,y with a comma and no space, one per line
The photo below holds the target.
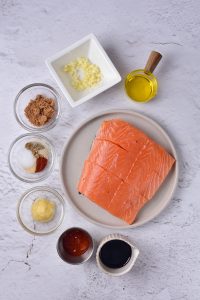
124,169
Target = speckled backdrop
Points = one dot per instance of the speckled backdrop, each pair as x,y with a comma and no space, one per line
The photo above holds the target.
169,264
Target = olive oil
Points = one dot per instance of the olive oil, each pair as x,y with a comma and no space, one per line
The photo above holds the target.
140,86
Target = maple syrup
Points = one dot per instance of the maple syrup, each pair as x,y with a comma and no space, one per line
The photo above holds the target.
74,242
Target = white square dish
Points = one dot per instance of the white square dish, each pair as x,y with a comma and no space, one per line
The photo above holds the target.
88,47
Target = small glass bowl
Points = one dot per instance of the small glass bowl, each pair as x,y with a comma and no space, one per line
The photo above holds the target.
23,98
24,210
16,155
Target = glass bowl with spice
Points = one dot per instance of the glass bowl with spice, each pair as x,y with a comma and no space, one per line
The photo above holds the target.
37,107
31,157
40,210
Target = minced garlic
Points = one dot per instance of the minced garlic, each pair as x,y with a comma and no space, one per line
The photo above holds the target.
84,74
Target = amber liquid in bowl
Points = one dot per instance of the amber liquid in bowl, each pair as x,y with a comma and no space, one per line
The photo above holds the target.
73,245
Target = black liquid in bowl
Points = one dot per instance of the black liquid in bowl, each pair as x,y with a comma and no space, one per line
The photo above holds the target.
115,254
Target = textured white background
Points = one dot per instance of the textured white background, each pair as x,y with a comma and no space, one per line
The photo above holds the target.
169,264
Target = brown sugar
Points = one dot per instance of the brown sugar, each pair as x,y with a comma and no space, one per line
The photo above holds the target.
40,110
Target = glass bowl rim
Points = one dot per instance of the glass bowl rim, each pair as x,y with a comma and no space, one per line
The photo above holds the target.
42,128
46,175
40,188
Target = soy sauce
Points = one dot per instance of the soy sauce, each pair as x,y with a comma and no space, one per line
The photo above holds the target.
115,254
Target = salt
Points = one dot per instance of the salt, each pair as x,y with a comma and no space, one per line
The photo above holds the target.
27,159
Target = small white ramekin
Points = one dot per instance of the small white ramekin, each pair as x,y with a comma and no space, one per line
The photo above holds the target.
124,269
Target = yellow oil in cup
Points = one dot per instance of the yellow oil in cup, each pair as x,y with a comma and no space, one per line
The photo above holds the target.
141,85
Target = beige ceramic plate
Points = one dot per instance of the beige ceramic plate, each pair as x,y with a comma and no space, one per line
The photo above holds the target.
76,150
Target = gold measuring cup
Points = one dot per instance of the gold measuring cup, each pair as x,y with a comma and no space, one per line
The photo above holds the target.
141,85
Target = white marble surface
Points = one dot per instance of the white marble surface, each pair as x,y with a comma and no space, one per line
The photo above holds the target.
169,264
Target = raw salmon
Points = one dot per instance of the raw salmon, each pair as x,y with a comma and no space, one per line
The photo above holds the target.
112,158
124,169
97,184
122,134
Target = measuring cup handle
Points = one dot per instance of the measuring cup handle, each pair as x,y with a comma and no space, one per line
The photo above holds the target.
152,61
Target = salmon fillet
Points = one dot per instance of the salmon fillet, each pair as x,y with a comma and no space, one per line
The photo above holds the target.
97,184
126,203
124,169
112,158
122,134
